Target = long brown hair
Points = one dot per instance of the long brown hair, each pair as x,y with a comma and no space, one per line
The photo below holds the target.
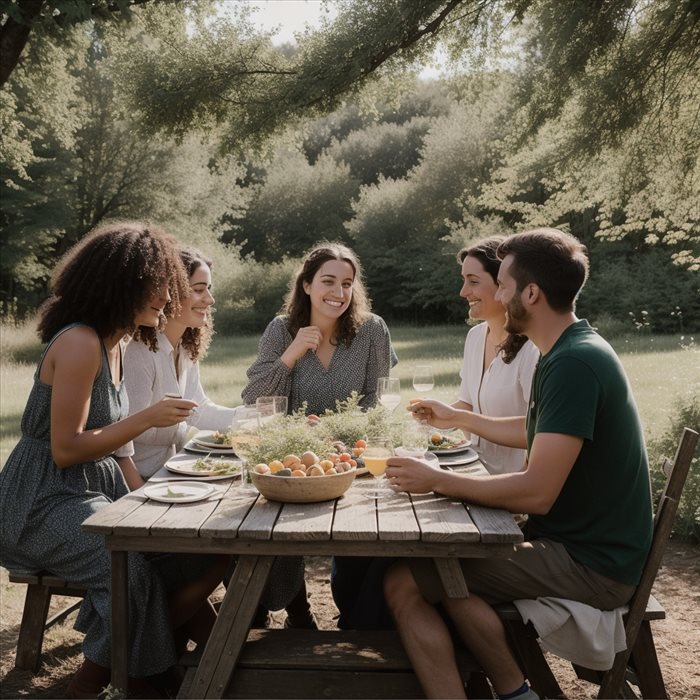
297,305
109,276
486,252
196,341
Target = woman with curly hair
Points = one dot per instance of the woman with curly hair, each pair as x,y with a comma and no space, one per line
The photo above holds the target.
116,280
498,366
174,369
326,345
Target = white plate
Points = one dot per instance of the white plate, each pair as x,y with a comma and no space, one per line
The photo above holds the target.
192,446
184,464
467,456
205,438
191,490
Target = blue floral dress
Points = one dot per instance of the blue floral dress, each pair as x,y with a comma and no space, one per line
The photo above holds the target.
42,508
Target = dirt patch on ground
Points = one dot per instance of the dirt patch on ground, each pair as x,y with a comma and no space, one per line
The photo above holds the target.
677,637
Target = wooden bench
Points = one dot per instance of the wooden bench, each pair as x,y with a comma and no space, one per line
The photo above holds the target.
35,617
295,663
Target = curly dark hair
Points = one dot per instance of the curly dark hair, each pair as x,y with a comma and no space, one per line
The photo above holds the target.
486,252
196,341
555,261
297,304
109,276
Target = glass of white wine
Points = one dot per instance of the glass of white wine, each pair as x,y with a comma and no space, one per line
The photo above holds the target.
244,437
389,392
375,456
423,380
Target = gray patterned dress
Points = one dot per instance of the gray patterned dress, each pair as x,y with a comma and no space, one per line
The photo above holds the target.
356,367
42,508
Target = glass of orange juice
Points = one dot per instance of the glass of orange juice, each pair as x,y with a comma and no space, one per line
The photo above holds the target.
375,456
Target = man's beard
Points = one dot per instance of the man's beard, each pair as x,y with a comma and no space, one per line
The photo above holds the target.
516,316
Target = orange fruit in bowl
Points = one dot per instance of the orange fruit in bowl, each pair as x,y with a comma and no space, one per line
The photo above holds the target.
361,443
290,460
309,458
275,465
344,457
261,468
326,464
315,470
298,472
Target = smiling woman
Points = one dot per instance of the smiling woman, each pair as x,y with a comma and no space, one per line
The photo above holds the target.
174,370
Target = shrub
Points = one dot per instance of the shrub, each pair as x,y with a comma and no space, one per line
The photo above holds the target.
686,414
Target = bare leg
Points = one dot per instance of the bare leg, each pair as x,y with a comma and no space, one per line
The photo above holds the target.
483,633
424,635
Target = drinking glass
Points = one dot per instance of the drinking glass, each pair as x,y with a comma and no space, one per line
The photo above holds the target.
271,407
389,392
423,380
244,438
378,450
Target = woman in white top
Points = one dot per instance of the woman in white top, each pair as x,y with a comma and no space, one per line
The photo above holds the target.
498,367
174,369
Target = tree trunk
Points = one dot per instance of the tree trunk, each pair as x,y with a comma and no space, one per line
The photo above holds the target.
14,36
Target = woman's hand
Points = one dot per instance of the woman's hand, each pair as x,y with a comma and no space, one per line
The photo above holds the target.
435,413
411,475
307,338
168,411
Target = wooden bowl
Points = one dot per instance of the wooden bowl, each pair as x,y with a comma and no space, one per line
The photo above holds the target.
302,489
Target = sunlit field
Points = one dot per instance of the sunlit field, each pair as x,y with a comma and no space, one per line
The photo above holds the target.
661,370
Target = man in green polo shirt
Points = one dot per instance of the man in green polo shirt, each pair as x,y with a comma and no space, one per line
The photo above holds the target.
585,484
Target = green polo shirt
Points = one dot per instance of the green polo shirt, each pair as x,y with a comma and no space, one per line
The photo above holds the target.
603,515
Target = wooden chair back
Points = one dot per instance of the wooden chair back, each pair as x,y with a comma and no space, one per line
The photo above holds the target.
676,475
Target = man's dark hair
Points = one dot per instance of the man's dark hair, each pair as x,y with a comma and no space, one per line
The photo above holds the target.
555,261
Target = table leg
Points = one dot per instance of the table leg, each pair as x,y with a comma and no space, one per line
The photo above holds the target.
120,619
232,626
452,577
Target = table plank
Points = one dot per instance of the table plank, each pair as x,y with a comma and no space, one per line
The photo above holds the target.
103,521
444,520
226,519
355,517
495,525
306,521
260,521
396,519
139,521
184,519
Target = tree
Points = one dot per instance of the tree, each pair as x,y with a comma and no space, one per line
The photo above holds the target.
19,18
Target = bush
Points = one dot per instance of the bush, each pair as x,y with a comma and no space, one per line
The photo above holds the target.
686,414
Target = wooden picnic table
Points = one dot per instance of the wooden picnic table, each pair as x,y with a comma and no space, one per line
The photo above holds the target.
256,531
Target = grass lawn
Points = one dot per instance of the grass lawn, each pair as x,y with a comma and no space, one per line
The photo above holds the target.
661,370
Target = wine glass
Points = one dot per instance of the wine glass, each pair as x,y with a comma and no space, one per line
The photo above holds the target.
389,392
377,452
244,438
423,380
415,438
271,407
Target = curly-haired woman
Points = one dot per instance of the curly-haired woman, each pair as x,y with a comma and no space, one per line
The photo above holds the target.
325,346
174,369
117,279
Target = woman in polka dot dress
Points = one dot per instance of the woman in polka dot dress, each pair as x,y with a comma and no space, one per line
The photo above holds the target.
326,345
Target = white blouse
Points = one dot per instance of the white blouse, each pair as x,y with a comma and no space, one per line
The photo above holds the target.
501,390
149,376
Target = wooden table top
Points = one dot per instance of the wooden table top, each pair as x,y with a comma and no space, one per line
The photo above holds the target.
425,525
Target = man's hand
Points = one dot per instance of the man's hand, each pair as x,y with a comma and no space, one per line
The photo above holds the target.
435,413
411,475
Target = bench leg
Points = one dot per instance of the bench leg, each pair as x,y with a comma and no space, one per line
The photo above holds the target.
31,631
531,659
